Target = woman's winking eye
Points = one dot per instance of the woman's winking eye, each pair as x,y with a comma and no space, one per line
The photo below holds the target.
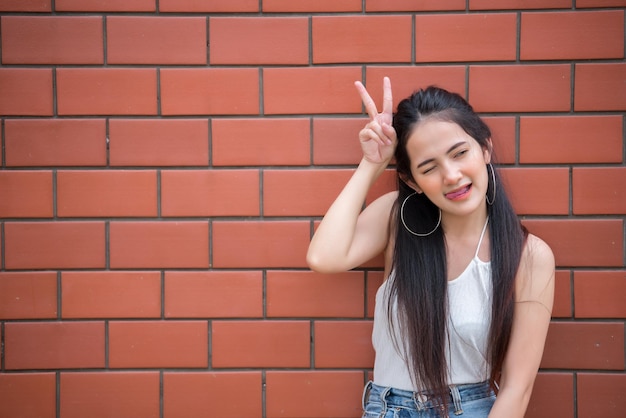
429,169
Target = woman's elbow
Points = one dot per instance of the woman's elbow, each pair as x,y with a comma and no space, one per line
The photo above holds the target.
318,263
312,261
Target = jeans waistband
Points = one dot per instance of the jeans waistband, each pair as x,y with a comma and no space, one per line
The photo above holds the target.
392,397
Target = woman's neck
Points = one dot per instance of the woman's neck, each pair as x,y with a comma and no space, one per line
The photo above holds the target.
464,226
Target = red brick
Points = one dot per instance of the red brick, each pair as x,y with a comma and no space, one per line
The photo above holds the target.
156,40
110,394
309,294
356,38
566,139
213,294
281,186
519,4
538,191
314,393
26,91
55,142
210,193
26,6
209,6
42,245
412,5
580,345
106,193
109,294
232,91
261,344
558,35
582,242
599,3
600,86
600,294
323,6
155,244
159,142
601,394
52,40
503,137
562,307
553,396
374,281
311,90
336,141
31,295
140,344
26,194
105,6
221,394
53,345
265,244
28,395
520,88
406,80
250,142
599,190
106,91
343,344
259,40
465,37
377,262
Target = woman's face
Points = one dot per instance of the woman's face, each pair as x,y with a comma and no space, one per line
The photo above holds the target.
449,166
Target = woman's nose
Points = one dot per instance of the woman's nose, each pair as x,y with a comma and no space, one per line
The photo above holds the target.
452,174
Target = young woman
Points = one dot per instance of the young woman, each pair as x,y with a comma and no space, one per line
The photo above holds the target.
465,307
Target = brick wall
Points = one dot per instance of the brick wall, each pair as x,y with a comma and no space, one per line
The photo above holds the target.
164,163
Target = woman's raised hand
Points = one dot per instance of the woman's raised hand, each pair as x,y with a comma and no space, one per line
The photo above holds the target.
378,138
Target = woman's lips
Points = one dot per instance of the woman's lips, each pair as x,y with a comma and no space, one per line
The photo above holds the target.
459,193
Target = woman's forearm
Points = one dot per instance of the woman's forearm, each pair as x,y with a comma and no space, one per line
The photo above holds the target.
511,403
331,244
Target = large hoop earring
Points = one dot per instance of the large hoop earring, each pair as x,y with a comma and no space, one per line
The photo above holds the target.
493,178
404,223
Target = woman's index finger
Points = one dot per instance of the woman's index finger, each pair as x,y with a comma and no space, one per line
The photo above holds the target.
387,97
368,102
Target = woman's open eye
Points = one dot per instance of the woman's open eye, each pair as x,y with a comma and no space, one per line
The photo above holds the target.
460,153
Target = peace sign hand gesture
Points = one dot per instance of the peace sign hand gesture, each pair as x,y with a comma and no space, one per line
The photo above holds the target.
378,138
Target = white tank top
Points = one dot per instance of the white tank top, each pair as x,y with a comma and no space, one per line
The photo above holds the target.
469,297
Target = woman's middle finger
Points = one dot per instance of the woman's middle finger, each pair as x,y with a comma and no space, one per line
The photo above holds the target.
367,100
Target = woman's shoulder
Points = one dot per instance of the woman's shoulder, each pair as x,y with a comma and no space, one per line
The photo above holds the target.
536,270
537,250
384,203
389,197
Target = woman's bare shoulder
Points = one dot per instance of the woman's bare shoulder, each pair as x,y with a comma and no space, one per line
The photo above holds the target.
379,210
389,197
536,271
537,250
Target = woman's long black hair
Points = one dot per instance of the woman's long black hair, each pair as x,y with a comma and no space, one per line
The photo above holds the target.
419,280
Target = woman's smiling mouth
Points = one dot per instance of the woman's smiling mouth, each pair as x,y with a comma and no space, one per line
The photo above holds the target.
459,193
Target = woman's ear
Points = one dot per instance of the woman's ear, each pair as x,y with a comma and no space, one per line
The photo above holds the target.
487,151
411,183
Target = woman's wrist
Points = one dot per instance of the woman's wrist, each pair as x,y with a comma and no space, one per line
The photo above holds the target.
375,168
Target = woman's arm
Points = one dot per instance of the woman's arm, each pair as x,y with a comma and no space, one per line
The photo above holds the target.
533,309
347,237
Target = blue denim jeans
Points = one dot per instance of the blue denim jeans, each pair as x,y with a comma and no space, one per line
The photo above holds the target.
466,401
